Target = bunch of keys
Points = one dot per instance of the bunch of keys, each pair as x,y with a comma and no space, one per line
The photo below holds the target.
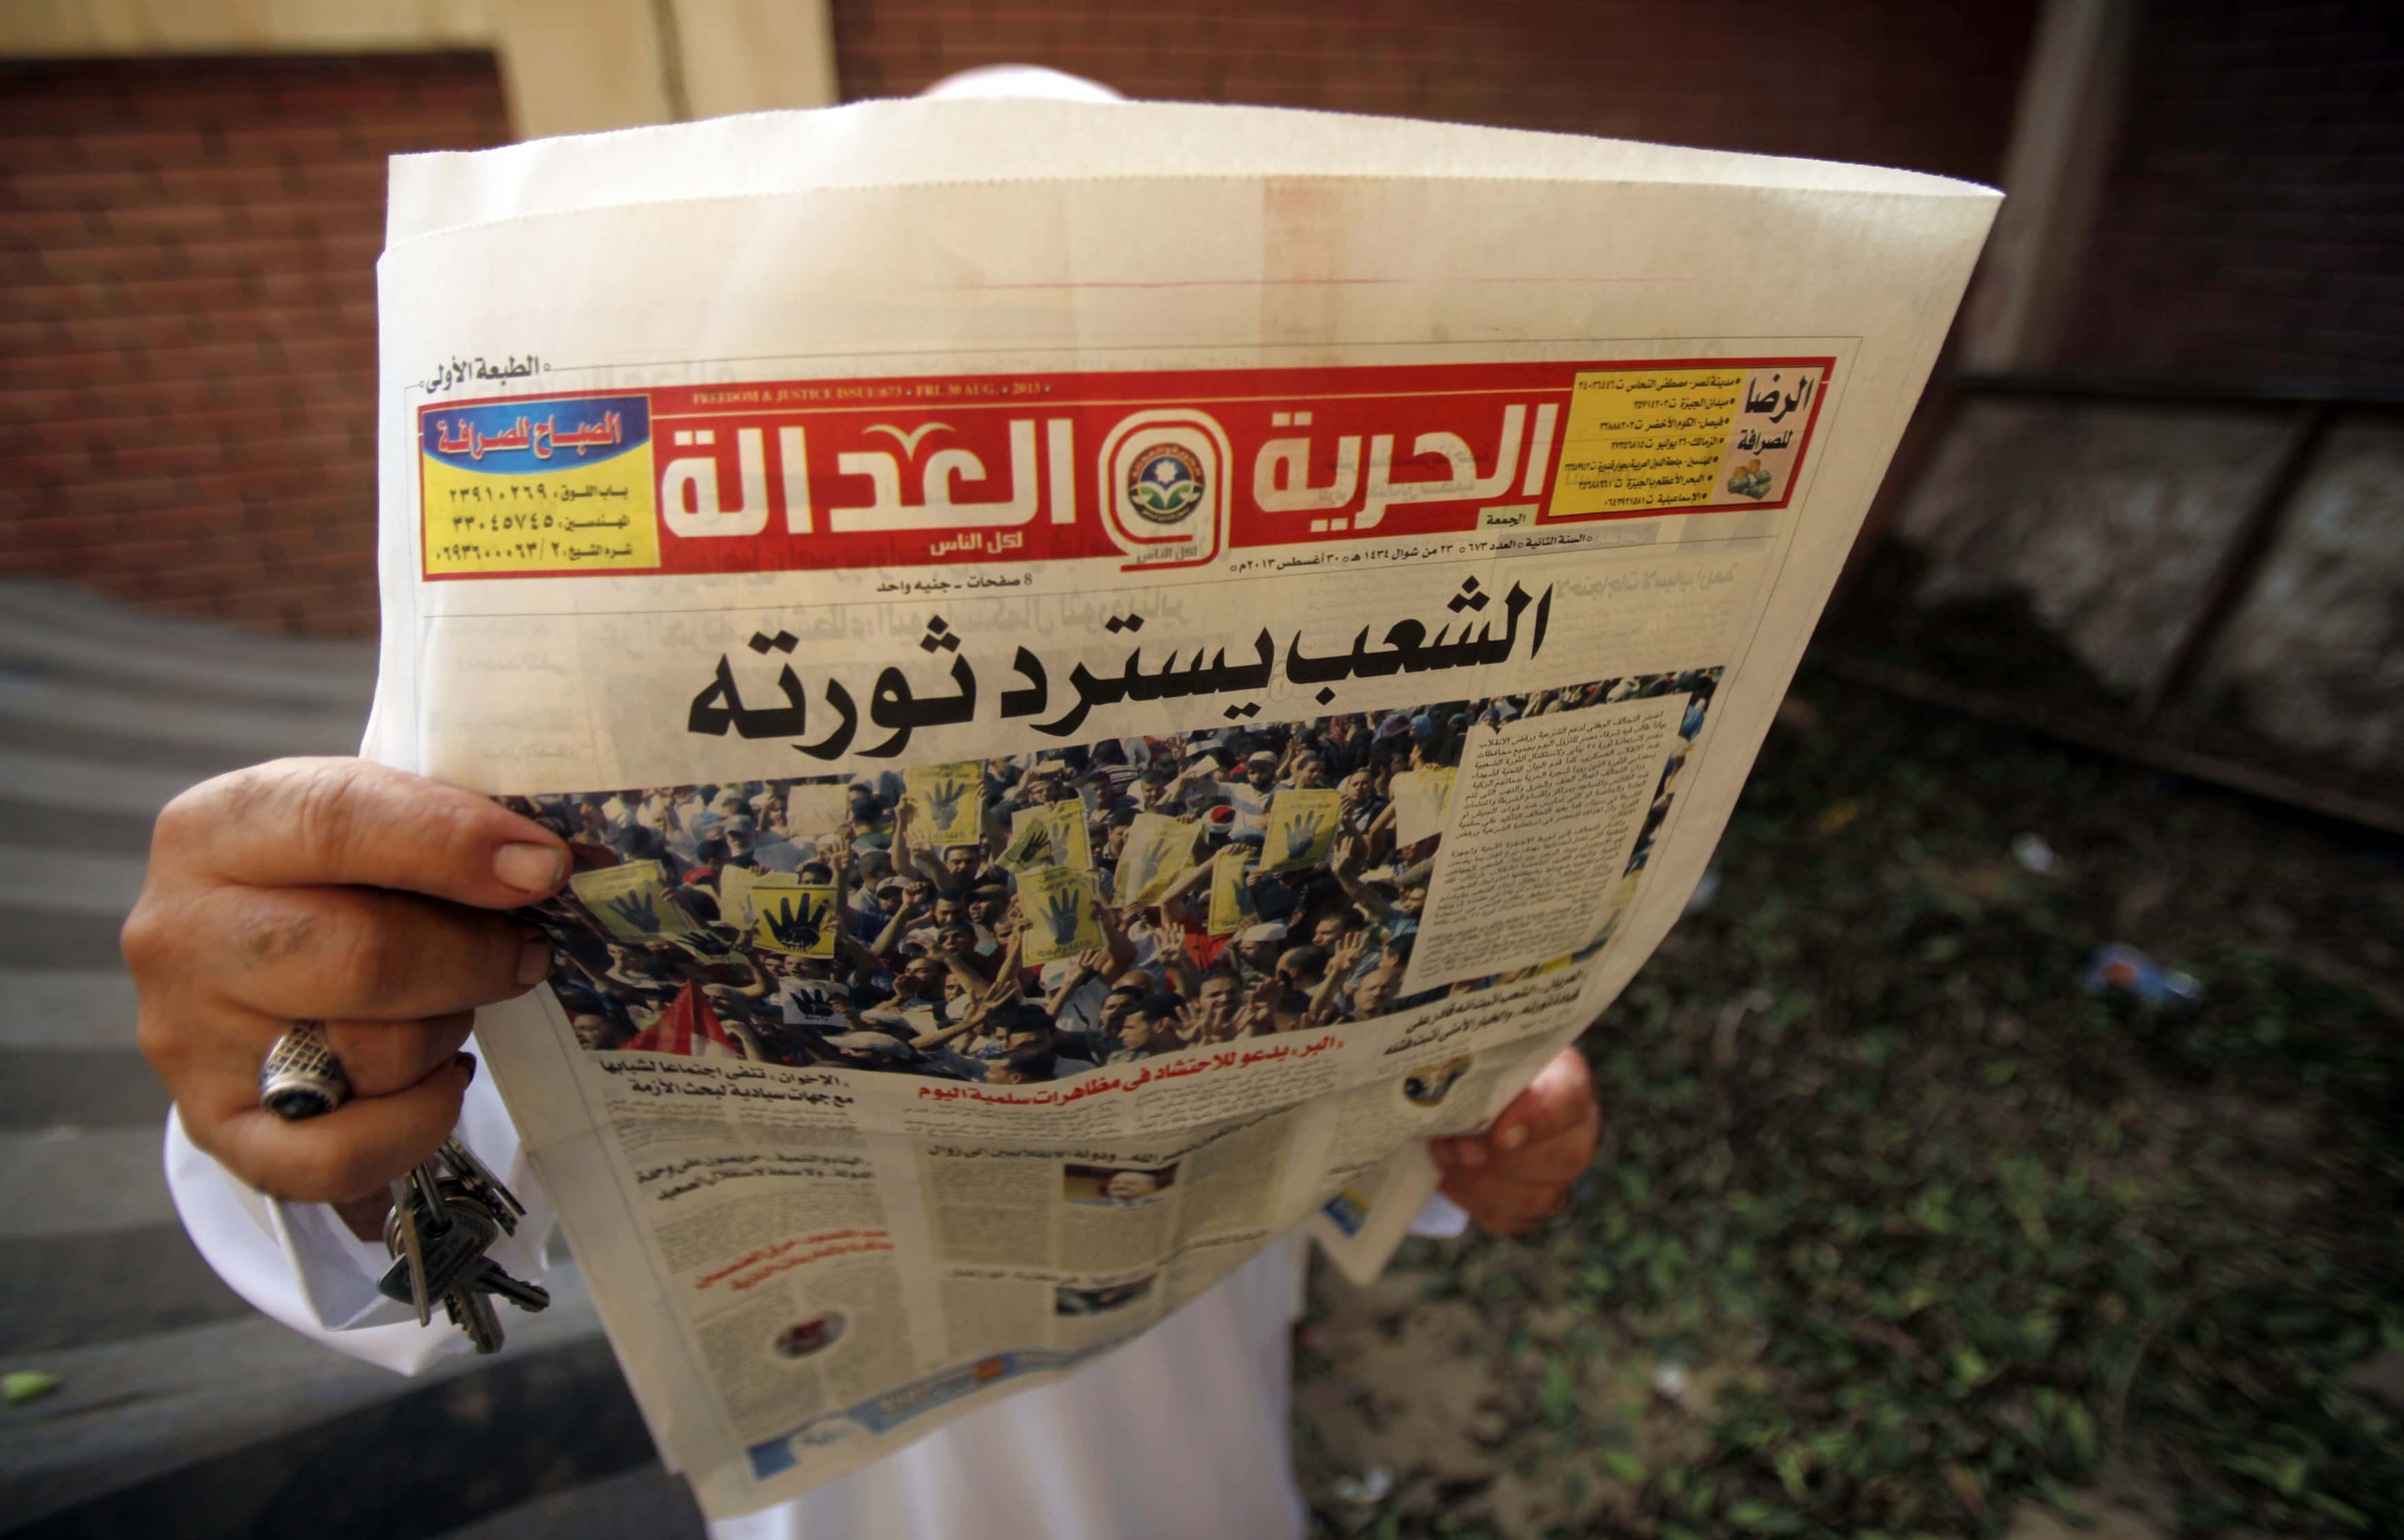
446,1212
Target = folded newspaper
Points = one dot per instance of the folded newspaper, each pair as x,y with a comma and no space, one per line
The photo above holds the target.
1109,671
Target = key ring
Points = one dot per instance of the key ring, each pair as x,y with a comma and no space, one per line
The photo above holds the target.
302,1078
446,1212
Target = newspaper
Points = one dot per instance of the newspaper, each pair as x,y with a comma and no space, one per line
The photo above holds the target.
1109,671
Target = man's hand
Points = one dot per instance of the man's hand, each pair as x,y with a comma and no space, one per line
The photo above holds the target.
339,891
1519,1171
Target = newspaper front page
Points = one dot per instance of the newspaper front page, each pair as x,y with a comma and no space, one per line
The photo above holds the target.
1108,670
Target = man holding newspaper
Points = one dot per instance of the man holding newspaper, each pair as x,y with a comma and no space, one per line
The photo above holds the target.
1405,862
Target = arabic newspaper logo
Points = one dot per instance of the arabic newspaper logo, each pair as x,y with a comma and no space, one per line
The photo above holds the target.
517,437
1166,483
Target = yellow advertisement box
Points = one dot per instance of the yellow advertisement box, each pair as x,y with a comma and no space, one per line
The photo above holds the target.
1638,440
539,484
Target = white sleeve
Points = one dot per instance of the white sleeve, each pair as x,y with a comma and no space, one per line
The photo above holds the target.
299,1263
1440,1218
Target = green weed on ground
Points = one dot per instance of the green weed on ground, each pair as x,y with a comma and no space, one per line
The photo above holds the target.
1895,1229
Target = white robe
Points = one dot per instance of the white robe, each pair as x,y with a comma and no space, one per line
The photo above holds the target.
1181,1433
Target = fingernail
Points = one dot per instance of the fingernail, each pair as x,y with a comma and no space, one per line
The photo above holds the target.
467,1062
1472,1152
534,963
529,868
1512,1137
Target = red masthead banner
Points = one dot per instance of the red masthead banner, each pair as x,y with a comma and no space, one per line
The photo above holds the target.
1165,469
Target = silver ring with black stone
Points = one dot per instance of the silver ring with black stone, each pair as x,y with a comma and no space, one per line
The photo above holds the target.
302,1078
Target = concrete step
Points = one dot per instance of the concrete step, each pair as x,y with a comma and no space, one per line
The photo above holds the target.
68,1180
78,1087
59,1292
642,1504
70,882
99,621
65,1008
31,825
190,762
242,1427
194,667
182,1410
77,783
32,709
68,939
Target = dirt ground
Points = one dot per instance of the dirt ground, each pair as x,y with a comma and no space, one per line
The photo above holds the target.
1897,1229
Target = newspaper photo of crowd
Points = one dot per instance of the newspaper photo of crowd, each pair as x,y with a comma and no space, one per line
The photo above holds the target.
1031,917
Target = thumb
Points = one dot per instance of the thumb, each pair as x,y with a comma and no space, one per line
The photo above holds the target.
349,822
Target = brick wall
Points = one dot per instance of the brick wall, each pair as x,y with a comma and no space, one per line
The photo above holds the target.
187,343
2252,220
1896,82
186,246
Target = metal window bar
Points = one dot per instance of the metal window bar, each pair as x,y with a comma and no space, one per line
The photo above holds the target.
2313,407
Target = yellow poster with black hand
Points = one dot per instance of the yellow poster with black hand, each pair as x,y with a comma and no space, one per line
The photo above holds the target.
1031,844
796,919
1068,832
1158,849
1058,904
1051,835
1231,892
632,903
948,800
1301,829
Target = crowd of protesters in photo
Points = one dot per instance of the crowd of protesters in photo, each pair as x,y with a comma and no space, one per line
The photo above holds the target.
928,974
